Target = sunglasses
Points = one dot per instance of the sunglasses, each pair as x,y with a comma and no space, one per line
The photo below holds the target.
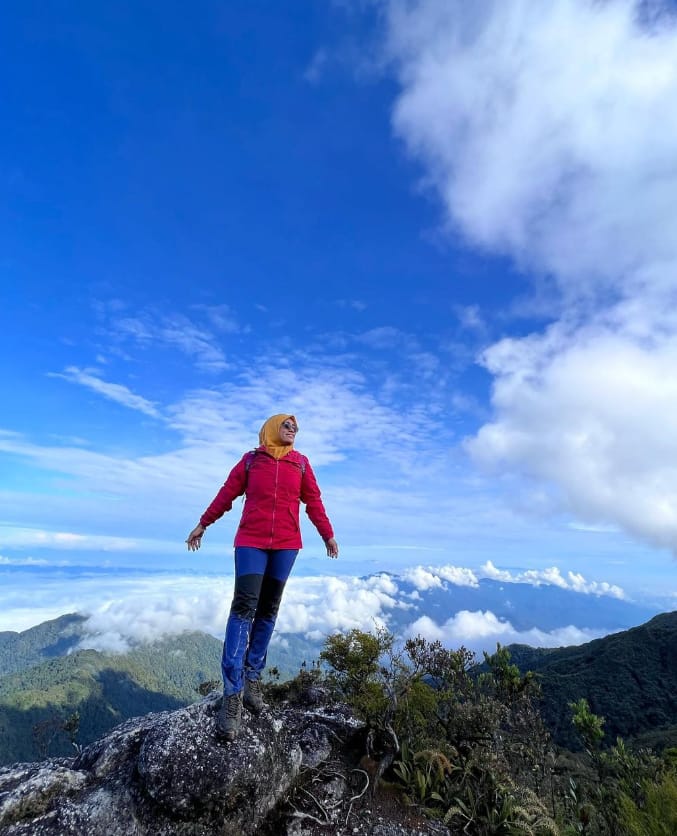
289,426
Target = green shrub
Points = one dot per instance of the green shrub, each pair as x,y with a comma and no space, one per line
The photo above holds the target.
656,815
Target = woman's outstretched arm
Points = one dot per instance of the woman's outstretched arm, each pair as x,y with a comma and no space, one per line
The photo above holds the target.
234,486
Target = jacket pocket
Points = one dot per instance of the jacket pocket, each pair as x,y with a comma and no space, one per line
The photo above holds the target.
251,517
294,517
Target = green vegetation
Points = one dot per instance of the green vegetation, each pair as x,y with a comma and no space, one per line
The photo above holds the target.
38,705
54,697
657,816
619,790
468,745
464,747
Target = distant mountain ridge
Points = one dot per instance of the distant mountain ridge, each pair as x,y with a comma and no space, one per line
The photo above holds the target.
546,607
48,640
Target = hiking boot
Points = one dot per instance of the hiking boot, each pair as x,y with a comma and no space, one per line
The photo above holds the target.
229,717
253,696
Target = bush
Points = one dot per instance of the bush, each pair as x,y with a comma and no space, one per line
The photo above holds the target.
656,815
461,745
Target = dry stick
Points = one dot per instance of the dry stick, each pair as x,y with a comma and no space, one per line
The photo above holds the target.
327,773
321,808
324,775
359,795
333,733
297,814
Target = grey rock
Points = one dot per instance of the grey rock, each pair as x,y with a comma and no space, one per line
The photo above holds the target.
168,774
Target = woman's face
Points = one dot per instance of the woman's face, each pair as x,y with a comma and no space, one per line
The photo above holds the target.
288,430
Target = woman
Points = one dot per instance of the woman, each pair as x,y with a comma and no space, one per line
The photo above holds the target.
275,478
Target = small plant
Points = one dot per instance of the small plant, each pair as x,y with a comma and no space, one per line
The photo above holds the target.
503,809
588,725
71,726
207,687
273,674
44,732
424,778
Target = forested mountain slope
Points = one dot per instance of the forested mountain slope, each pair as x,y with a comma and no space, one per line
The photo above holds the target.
48,640
48,683
102,690
630,678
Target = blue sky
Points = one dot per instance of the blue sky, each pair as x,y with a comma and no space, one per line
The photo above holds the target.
442,234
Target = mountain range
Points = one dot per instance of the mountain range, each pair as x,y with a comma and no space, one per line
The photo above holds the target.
54,693
546,607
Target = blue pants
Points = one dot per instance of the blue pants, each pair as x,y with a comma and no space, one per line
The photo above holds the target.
260,577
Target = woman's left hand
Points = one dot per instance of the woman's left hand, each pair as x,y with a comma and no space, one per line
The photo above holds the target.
332,547
194,539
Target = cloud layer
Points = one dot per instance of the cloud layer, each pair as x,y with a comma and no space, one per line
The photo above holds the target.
139,607
318,606
482,630
552,575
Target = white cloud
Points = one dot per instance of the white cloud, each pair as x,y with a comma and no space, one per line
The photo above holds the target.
482,630
594,414
553,576
319,606
153,608
384,337
431,577
458,575
113,391
470,317
535,124
600,529
421,578
490,571
356,304
16,537
178,331
124,609
221,317
343,422
145,609
22,561
316,68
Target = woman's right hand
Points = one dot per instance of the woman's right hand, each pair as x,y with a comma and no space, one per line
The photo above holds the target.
194,540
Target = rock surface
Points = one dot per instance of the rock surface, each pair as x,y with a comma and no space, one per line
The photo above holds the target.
291,772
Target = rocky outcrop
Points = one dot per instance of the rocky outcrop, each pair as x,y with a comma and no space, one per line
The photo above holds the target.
291,771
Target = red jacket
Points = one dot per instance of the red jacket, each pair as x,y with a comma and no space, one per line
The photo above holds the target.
274,488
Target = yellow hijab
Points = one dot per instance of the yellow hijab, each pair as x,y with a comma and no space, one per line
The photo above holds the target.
269,435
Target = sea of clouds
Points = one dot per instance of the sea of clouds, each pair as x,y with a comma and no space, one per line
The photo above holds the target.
126,610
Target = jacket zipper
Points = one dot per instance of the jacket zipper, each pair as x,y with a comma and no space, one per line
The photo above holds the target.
272,525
